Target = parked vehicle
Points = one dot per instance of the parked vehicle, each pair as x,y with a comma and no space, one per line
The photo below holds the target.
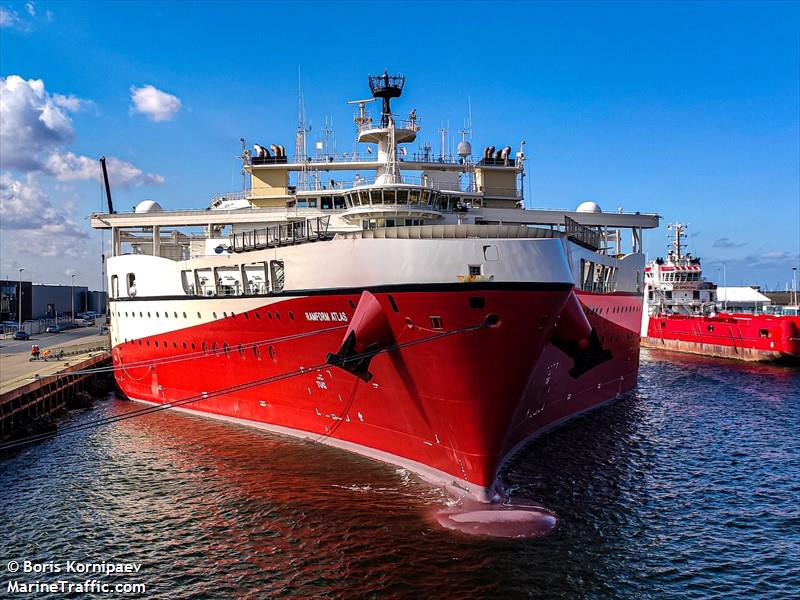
104,330
53,329
83,322
21,335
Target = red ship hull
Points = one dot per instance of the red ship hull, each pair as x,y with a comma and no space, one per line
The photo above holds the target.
452,409
739,336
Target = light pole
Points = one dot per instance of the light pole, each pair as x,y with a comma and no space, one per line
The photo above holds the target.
72,295
794,284
19,300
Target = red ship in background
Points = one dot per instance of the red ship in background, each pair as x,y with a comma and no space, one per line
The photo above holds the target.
682,313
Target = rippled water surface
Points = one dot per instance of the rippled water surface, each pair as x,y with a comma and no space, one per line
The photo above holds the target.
688,488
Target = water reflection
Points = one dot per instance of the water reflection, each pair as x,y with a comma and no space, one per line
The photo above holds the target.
686,488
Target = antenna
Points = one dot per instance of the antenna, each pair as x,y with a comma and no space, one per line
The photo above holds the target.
469,108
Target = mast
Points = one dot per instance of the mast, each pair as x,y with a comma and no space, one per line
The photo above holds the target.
677,245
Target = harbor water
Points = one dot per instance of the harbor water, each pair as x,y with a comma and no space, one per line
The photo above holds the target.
686,488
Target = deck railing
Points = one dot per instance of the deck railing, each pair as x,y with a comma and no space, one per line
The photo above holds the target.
580,234
283,234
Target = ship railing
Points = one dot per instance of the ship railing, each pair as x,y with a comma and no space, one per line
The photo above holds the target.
582,235
218,199
383,123
283,234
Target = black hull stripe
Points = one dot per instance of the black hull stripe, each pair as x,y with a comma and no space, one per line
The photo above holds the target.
478,286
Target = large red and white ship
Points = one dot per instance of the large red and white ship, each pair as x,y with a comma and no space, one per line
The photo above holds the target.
684,314
418,315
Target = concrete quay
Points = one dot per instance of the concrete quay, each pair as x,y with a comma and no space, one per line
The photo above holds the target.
32,392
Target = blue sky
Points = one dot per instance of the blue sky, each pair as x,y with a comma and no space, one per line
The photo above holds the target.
690,110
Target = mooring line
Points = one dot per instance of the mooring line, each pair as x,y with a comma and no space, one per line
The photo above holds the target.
235,388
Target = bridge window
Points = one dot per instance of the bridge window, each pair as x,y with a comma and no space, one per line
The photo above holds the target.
114,286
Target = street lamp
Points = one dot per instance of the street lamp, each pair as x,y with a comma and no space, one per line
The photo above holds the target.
72,294
794,284
19,300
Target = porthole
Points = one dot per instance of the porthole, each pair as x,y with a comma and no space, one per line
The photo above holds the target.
257,352
126,313
184,315
175,314
246,316
157,315
148,342
155,343
241,350
184,345
148,315
352,304
193,346
214,314
277,315
233,314
140,342
224,314
273,354
225,348
174,344
205,347
140,313
291,316
213,347
269,315
258,316
198,316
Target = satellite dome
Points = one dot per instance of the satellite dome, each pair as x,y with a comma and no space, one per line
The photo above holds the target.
588,207
464,148
146,206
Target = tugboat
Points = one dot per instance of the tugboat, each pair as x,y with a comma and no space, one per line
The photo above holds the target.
683,314
418,315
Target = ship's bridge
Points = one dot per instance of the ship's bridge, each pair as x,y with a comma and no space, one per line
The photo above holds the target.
397,202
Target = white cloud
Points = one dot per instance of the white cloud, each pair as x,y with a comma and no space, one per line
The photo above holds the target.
30,8
34,128
30,122
72,103
8,18
70,167
31,223
157,105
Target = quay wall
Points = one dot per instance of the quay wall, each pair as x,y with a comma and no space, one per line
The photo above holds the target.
25,408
